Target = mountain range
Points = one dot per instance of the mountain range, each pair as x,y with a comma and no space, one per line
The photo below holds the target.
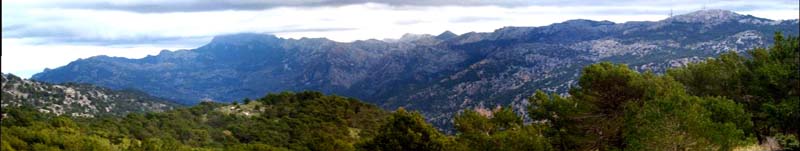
437,75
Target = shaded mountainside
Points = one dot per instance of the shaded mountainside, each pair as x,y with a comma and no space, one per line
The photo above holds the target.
436,75
80,100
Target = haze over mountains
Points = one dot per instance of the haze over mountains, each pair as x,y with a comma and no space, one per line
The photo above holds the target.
435,74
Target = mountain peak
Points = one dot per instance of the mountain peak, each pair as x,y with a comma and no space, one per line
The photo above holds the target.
243,38
709,16
409,37
414,36
446,35
586,22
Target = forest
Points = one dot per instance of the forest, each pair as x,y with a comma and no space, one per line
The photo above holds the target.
723,103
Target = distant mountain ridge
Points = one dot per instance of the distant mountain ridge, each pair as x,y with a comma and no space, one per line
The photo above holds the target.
437,75
80,100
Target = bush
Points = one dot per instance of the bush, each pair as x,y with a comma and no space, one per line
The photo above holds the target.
788,142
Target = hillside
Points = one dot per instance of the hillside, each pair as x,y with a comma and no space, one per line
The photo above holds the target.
437,75
80,100
285,121
733,102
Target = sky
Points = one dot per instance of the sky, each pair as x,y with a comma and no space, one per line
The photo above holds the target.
39,34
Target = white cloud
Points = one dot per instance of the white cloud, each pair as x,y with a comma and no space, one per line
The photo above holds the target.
38,37
25,60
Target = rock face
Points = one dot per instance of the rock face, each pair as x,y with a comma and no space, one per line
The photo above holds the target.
437,75
81,100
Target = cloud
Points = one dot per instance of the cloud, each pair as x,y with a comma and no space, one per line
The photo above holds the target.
293,30
45,36
149,6
155,6
37,19
469,19
50,33
24,60
192,5
410,22
100,27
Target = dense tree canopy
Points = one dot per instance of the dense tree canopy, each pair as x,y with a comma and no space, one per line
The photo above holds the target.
503,131
407,131
617,108
765,81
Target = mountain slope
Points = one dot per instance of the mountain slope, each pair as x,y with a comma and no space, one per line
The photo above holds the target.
434,74
77,99
285,121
